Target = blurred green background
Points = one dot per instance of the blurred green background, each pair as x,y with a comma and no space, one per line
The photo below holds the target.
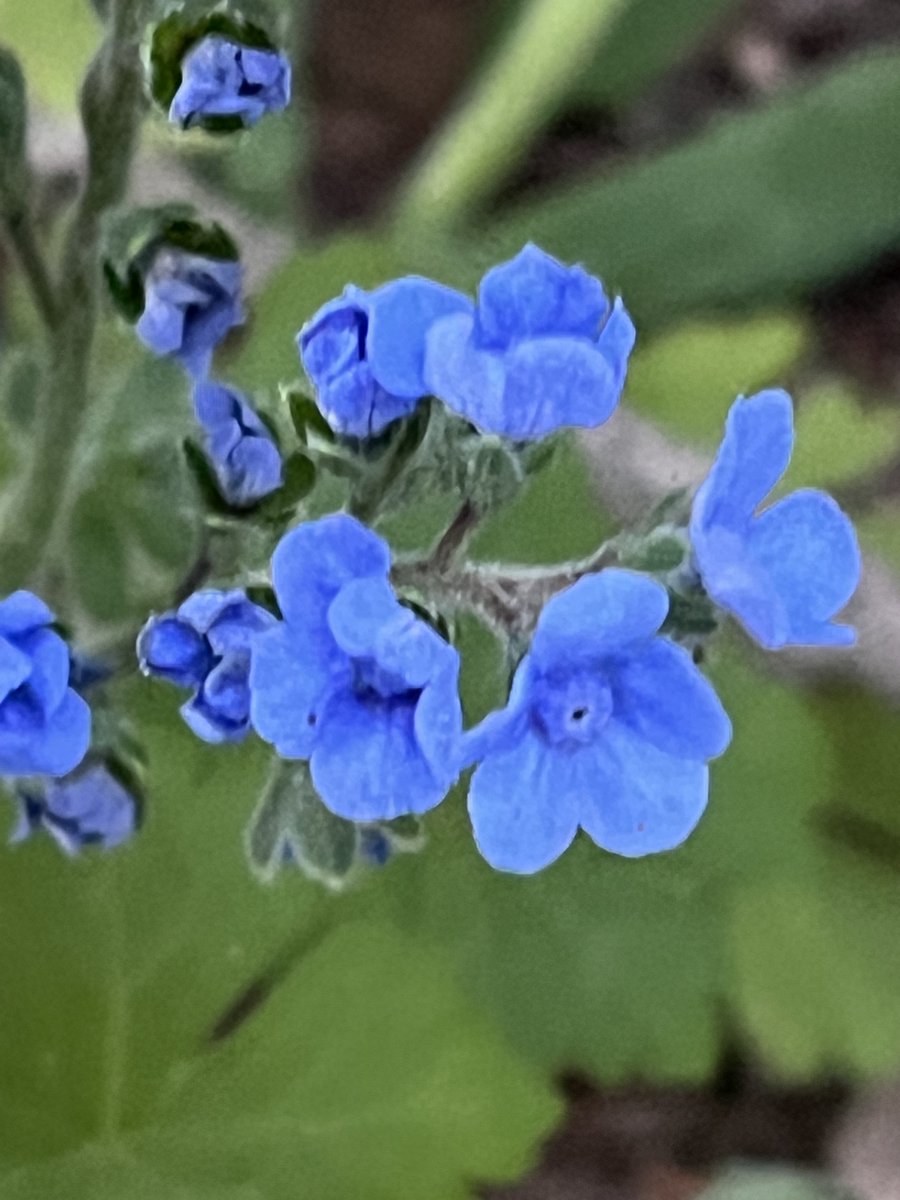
172,1028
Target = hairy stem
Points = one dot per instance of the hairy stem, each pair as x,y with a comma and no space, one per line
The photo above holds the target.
20,230
111,107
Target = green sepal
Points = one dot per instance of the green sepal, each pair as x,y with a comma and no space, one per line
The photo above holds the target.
299,481
306,417
663,550
132,238
248,23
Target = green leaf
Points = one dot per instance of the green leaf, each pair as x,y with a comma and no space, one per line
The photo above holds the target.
773,1183
32,31
838,440
687,379
173,1030
762,207
649,37
13,120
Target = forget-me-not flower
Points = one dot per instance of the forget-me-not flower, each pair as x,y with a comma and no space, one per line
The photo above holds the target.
364,352
241,448
205,645
354,681
608,727
45,726
785,572
543,348
190,303
220,78
89,808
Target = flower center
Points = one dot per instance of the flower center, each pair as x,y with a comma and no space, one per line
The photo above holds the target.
574,708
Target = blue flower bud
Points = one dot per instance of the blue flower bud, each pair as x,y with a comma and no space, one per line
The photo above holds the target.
205,645
354,681
90,807
45,726
241,448
190,303
608,727
785,572
220,78
543,348
364,352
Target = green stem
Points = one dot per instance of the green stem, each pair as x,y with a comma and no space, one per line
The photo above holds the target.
553,41
111,106
20,230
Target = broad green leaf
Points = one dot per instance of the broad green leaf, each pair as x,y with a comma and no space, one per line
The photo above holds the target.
687,379
773,1183
761,207
33,31
174,1030
838,440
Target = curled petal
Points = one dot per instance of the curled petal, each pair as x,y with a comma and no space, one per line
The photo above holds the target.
553,382
470,381
54,746
400,315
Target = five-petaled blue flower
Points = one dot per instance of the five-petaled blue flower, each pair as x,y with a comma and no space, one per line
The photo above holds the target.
205,645
785,572
89,808
220,78
608,727
244,456
353,680
364,352
543,348
190,303
45,726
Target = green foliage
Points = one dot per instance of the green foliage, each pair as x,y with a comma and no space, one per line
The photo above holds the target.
687,379
32,29
176,1031
838,439
13,120
760,208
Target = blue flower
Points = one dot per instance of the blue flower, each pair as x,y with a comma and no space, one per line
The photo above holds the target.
354,681
45,726
219,78
786,572
91,807
243,452
607,727
364,352
542,349
205,645
190,303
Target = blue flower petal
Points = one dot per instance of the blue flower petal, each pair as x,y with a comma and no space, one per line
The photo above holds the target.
313,562
553,382
174,650
254,470
754,454
57,749
15,667
49,677
523,804
400,315
660,695
292,677
535,294
438,720
502,729
598,614
367,765
807,549
617,341
22,611
639,799
470,381
202,609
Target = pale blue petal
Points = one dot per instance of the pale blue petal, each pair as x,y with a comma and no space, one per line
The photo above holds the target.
599,614
400,315
661,695
62,743
174,650
754,454
438,720
313,562
471,382
15,667
807,548
738,584
639,800
292,677
523,804
554,382
366,764
204,608
617,341
22,611
502,729
49,676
